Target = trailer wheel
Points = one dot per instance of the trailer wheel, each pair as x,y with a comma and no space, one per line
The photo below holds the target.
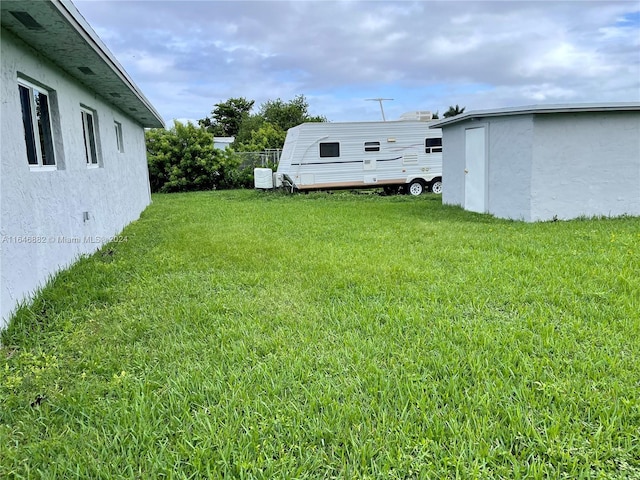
415,188
436,186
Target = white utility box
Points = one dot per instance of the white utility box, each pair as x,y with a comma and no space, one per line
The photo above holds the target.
263,178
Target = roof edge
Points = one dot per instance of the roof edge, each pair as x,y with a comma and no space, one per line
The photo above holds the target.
540,109
75,18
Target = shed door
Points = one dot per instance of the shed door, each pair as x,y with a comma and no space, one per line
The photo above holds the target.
474,172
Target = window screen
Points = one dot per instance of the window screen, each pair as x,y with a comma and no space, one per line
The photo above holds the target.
330,149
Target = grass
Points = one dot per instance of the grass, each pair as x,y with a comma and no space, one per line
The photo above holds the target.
253,335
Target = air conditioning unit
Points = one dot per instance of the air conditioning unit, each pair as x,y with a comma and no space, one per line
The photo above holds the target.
263,178
418,115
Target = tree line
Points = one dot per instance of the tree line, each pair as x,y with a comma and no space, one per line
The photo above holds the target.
183,158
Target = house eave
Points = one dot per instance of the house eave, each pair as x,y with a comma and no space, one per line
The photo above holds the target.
61,34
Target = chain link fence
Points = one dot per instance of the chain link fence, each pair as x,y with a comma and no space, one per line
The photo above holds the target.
266,159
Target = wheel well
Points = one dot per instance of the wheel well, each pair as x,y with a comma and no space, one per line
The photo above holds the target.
417,179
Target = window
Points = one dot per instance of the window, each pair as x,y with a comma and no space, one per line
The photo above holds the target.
37,125
331,149
371,146
89,132
119,142
433,145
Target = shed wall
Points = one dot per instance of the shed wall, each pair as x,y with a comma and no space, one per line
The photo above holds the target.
43,227
453,162
509,157
586,164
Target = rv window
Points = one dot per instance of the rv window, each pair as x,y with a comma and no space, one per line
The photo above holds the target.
433,145
330,149
371,146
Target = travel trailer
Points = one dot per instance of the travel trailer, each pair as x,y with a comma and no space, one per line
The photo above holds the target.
397,156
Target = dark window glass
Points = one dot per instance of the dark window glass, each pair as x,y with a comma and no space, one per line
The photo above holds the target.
44,128
331,149
37,125
89,138
119,142
433,145
27,121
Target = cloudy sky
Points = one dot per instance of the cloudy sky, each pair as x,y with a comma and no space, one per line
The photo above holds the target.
188,55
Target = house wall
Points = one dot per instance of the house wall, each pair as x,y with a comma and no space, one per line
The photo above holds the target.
586,164
42,212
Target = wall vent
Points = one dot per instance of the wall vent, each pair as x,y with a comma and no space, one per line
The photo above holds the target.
86,70
27,20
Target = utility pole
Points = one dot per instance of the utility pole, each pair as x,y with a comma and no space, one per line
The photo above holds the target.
379,100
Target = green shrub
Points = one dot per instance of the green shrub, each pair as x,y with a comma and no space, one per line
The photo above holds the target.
183,159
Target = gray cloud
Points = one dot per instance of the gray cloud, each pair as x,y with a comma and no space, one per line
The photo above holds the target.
188,55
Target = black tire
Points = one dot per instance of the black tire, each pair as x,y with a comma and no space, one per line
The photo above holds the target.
436,185
415,188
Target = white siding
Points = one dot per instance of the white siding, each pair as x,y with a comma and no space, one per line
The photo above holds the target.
401,156
49,205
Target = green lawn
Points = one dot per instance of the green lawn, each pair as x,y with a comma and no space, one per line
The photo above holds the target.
256,335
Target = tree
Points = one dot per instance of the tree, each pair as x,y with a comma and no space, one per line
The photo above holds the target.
183,159
267,136
227,117
280,115
250,124
288,114
453,111
436,116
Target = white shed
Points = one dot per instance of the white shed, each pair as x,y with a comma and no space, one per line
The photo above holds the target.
543,162
222,143
73,171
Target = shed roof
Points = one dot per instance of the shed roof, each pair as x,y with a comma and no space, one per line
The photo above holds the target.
57,30
539,109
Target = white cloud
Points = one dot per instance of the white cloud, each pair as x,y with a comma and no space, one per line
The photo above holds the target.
426,55
145,62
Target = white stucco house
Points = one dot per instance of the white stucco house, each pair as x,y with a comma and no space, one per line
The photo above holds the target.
73,170
544,162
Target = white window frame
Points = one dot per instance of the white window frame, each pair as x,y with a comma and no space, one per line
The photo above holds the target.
89,134
119,140
36,126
